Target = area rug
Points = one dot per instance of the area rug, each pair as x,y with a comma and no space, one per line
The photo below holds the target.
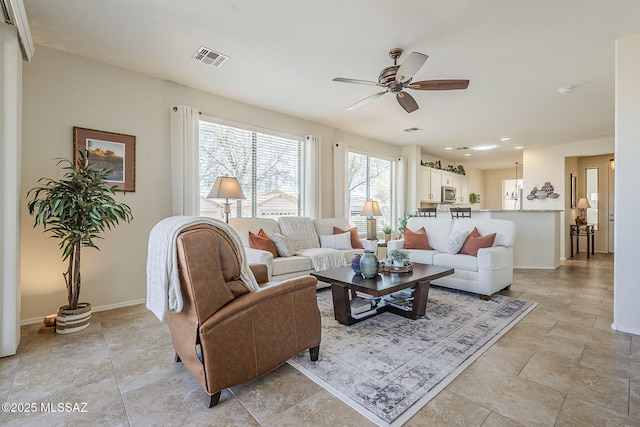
387,367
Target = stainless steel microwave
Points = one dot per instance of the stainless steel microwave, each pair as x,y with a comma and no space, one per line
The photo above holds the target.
448,195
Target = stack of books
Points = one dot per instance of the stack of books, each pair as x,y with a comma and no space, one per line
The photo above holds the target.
402,300
364,305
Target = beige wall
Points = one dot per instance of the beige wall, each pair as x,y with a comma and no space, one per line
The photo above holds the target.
62,91
493,185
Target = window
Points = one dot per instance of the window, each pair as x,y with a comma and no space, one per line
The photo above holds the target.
370,178
268,167
591,190
512,194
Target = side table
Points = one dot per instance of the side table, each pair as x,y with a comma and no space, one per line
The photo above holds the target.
587,230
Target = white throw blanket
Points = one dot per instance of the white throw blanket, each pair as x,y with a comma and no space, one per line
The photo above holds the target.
163,281
324,258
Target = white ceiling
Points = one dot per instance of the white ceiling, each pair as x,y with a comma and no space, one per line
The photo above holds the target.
284,53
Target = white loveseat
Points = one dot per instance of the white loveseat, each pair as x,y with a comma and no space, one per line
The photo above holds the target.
303,232
485,274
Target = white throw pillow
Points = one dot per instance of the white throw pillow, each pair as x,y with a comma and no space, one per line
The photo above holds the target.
336,241
455,241
284,247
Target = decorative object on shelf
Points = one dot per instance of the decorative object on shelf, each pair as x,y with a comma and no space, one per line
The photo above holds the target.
545,192
355,263
387,230
371,210
226,187
113,151
76,209
369,265
583,205
474,198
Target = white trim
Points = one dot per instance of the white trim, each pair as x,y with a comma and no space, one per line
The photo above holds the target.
19,18
35,320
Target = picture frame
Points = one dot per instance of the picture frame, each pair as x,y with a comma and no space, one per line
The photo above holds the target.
573,191
116,151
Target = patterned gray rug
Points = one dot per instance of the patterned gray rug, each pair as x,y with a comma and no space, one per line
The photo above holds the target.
388,367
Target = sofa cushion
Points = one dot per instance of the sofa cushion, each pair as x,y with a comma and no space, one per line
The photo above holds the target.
505,230
340,241
475,241
355,238
291,264
301,231
455,241
262,241
438,230
283,244
421,256
416,239
456,261
244,225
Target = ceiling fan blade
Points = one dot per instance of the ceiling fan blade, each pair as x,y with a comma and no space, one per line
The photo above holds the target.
410,66
407,102
366,100
439,84
360,82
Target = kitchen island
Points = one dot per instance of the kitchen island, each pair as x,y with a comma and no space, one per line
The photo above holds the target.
538,236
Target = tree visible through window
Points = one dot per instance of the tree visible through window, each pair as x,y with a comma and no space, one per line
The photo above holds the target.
268,168
369,178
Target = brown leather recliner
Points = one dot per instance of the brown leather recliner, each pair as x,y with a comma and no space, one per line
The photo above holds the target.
226,335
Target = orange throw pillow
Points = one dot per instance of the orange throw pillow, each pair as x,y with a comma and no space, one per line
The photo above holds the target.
355,239
262,241
475,242
416,239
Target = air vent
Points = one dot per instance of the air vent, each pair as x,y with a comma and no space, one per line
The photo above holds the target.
462,148
412,129
210,57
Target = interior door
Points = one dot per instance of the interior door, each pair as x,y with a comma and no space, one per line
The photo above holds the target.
611,209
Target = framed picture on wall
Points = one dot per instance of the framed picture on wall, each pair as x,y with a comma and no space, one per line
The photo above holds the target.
111,150
573,191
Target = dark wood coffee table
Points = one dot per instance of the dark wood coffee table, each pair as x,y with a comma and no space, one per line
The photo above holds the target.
344,279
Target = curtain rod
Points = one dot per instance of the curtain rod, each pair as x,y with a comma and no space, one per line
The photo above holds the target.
176,109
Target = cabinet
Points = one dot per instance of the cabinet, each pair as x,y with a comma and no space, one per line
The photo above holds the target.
447,179
435,184
463,191
423,188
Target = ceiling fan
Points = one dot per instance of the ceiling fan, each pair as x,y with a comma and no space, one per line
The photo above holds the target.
397,78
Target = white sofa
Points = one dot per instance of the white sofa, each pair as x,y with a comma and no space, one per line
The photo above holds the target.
304,233
485,274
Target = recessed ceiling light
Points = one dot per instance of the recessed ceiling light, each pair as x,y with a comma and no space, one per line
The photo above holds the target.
467,154
505,139
449,148
414,129
484,147
518,147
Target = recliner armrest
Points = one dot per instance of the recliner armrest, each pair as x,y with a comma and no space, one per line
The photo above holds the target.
395,244
260,272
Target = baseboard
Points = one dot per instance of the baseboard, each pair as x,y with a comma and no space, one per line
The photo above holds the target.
40,319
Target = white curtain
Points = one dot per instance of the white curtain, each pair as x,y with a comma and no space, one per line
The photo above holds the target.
185,176
340,181
10,194
401,187
312,200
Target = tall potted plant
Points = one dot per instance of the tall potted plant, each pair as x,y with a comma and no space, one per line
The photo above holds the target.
76,209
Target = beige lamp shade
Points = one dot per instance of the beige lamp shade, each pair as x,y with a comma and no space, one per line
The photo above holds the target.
371,209
226,187
583,203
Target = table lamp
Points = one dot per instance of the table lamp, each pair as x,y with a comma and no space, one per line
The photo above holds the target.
583,205
371,210
226,187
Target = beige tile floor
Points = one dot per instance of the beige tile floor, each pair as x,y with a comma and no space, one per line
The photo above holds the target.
561,365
